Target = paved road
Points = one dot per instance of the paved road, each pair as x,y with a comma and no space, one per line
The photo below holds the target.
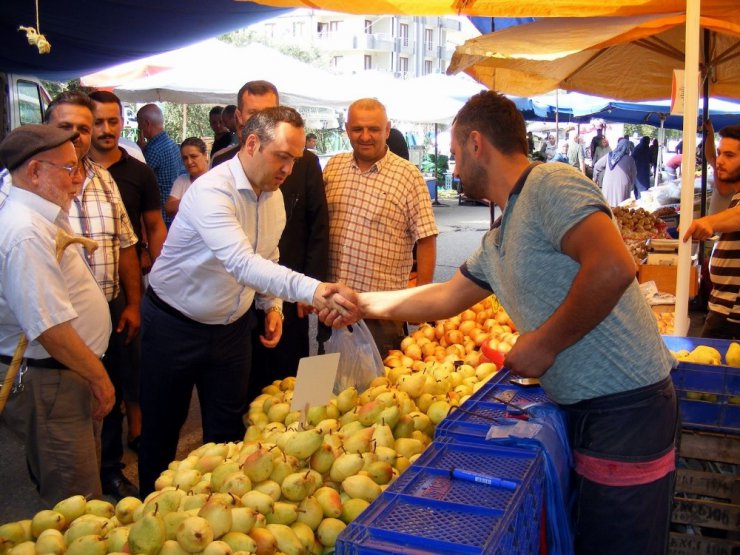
461,229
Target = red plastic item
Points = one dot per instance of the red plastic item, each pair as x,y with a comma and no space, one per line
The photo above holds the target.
492,355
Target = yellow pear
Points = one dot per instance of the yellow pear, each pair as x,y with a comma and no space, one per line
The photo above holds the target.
328,531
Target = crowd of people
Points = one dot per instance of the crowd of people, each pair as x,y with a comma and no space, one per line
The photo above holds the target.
235,256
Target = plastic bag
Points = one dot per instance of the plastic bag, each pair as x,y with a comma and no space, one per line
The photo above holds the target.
359,361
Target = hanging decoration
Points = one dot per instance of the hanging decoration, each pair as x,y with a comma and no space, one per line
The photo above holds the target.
34,36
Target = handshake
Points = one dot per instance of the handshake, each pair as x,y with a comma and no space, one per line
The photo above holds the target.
336,305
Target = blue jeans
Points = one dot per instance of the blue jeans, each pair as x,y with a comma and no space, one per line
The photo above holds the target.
630,427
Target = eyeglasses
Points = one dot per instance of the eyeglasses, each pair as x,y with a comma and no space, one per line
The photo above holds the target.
71,169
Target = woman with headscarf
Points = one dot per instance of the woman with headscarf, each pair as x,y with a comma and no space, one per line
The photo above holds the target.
641,156
618,171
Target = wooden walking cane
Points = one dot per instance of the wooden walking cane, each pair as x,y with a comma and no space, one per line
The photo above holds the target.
62,241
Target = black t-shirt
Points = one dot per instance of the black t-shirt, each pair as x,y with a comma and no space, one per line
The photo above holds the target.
138,186
222,141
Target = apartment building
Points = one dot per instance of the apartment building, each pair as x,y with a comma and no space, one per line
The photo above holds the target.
405,46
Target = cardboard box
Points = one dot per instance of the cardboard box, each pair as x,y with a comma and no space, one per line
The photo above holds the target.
665,278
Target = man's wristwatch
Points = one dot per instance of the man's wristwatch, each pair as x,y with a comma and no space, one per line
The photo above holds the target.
277,309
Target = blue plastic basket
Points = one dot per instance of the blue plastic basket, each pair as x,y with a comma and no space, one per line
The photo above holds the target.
426,511
708,396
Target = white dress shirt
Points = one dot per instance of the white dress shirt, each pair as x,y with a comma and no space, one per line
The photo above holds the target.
36,292
222,250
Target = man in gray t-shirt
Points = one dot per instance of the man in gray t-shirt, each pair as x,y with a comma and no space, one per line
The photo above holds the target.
557,263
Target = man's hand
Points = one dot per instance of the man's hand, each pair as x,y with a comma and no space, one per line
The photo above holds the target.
273,329
105,396
146,262
530,356
337,304
700,229
130,321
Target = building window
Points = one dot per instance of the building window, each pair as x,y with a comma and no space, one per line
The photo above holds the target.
368,27
427,67
337,62
442,66
368,61
428,39
322,29
403,66
333,26
298,28
270,30
403,33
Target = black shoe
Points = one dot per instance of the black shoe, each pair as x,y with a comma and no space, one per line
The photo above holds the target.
118,486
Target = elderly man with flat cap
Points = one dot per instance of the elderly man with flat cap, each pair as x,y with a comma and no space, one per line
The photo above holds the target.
62,391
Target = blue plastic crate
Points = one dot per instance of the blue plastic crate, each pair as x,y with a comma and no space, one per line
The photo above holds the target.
499,377
522,394
708,396
426,511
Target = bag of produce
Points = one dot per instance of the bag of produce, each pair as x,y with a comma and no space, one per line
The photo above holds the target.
359,361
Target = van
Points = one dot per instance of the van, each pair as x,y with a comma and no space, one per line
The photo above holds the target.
23,99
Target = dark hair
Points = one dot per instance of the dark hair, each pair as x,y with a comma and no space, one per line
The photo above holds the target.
496,118
196,142
229,110
75,98
730,132
257,88
263,123
106,97
215,111
311,136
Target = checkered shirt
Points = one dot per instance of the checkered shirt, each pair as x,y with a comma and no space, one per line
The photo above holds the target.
163,156
98,213
375,217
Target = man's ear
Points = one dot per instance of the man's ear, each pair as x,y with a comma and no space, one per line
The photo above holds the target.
476,141
252,144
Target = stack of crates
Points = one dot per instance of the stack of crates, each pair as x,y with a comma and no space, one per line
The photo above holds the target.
427,511
706,507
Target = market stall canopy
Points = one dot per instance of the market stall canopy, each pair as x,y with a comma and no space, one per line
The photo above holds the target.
582,108
628,58
88,35
212,72
509,8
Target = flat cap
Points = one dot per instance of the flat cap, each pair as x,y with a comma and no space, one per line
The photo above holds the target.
26,141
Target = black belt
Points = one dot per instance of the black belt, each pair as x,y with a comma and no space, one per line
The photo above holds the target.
172,311
50,363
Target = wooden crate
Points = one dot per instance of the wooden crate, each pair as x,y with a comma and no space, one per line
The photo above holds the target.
707,501
665,278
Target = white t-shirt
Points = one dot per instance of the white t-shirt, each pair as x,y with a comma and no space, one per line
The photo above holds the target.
181,184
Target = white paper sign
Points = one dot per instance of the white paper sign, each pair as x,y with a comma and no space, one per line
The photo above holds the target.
677,93
315,381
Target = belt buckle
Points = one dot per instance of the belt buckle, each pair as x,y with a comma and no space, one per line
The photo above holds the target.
18,385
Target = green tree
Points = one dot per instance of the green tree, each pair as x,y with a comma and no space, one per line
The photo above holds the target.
307,54
197,124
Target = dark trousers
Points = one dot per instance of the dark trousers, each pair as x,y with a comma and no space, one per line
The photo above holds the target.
269,365
716,326
177,354
122,364
634,426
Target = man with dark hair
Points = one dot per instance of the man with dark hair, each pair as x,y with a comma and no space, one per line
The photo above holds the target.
558,265
161,152
221,134
54,301
228,117
723,316
219,263
379,208
98,212
303,247
138,187
311,140
252,97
